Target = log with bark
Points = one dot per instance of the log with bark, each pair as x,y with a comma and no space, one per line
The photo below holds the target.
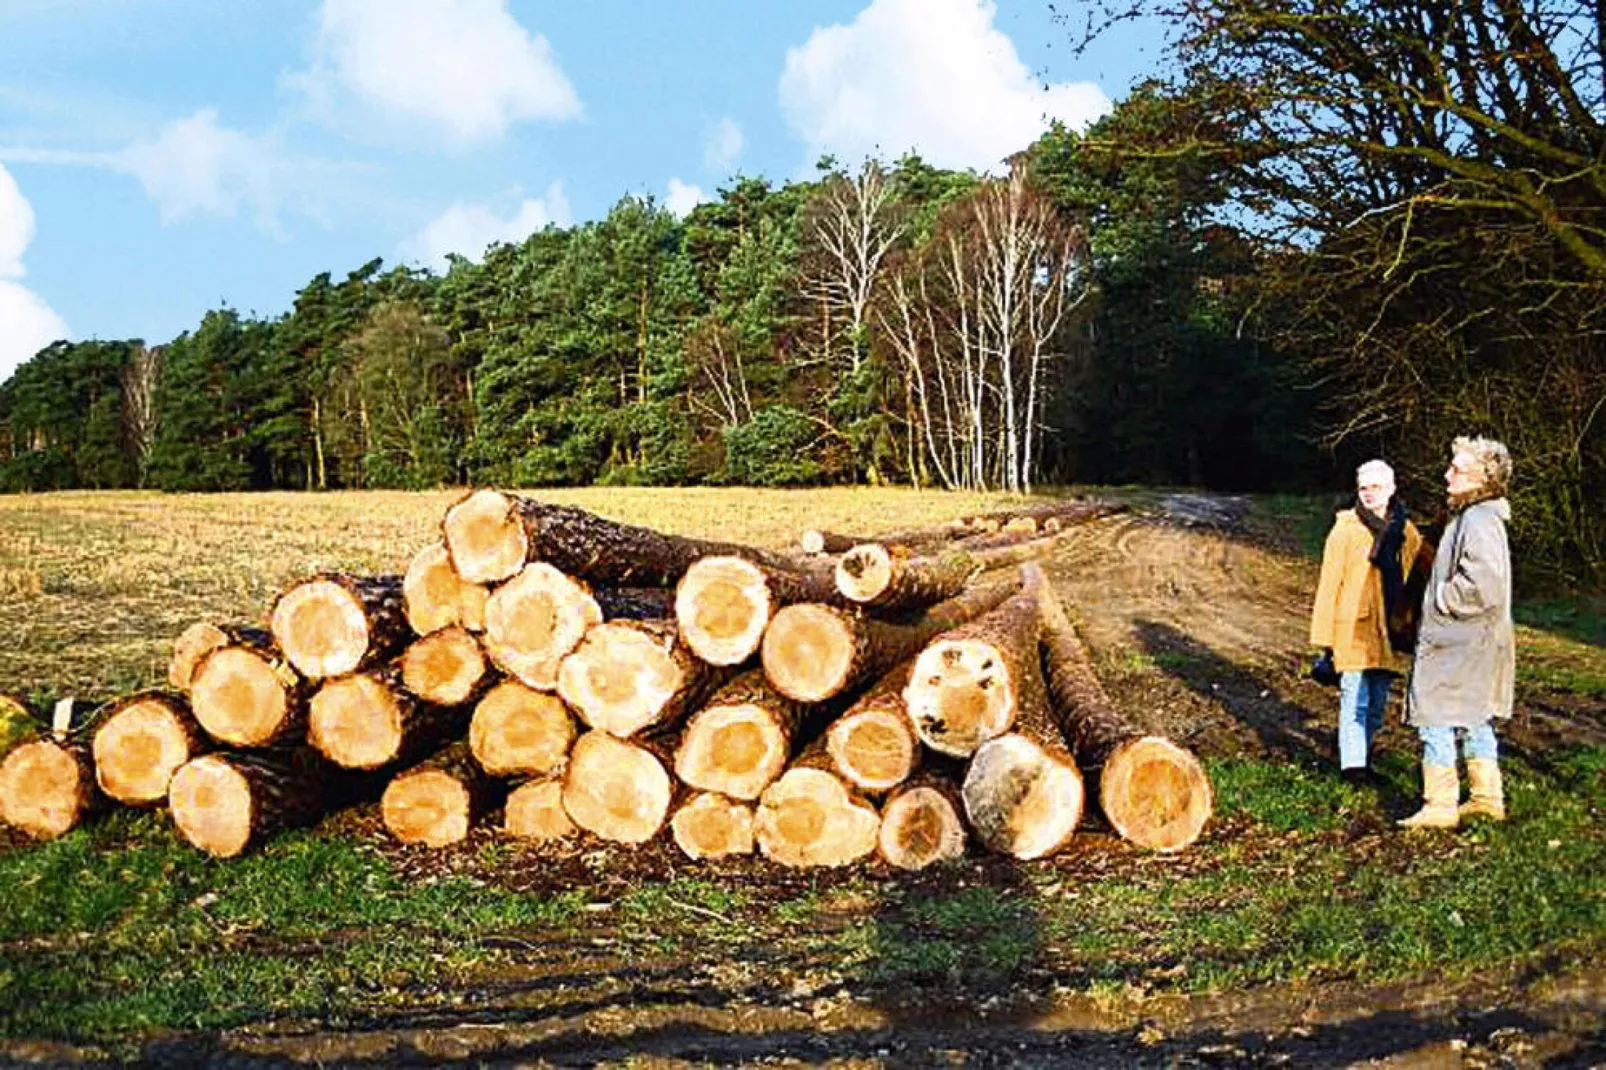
711,825
741,740
921,823
1023,795
627,677
518,731
634,603
491,535
873,745
438,800
247,695
876,577
810,817
434,596
141,741
446,667
337,623
817,541
224,803
200,639
535,811
1153,792
534,620
369,721
813,652
47,786
617,790
724,603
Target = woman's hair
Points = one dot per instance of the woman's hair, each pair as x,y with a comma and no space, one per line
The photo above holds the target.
1492,457
1375,471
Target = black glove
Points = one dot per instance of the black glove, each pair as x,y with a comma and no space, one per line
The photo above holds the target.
1322,670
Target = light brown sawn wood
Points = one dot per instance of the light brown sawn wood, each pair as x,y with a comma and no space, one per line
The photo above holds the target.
810,817
534,620
741,740
336,623
225,803
438,800
446,667
519,731
47,786
247,695
535,811
711,825
199,640
921,823
617,790
141,741
434,596
724,603
627,677
369,721
873,745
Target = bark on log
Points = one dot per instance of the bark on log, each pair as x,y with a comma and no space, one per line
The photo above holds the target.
518,731
141,742
438,800
816,541
492,535
200,639
47,786
921,824
627,677
534,620
224,803
446,667
1153,792
1023,796
873,576
813,652
616,790
972,683
535,811
247,696
369,721
723,604
434,596
809,817
1067,511
741,741
711,825
873,746
335,624
634,603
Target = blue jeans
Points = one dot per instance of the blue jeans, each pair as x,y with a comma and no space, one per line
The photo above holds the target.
1438,743
1362,697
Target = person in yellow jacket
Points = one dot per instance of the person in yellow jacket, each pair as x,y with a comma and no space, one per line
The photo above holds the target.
1366,560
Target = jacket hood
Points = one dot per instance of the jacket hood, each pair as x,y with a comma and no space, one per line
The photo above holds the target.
1501,508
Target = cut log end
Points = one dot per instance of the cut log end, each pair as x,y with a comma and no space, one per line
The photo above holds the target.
920,827
616,790
1021,800
533,621
960,695
713,826
723,605
518,731
812,541
1156,794
736,750
139,748
486,541
535,812
444,667
190,649
212,806
42,789
619,679
864,572
356,722
322,629
434,596
239,697
808,652
808,818
875,749
429,807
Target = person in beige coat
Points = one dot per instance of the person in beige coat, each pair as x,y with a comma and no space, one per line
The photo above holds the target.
1368,555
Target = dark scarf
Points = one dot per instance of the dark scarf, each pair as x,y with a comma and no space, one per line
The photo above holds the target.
1388,537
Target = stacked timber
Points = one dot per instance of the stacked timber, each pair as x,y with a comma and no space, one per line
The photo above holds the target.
900,697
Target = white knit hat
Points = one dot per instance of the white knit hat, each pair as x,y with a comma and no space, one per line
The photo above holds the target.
1375,472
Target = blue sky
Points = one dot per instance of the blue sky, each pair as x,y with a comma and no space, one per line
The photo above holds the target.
159,158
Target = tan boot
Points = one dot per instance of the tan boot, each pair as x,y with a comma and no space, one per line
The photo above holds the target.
1488,799
1440,788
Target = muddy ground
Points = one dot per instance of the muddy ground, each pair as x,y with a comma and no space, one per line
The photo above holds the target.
1196,619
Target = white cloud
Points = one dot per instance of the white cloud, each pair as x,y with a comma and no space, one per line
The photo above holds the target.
931,75
469,229
722,147
683,198
27,323
464,67
196,167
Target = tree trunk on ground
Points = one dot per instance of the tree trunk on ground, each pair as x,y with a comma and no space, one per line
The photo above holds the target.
712,825
816,541
446,667
1153,792
723,604
535,811
533,621
141,742
47,787
873,745
921,823
616,790
438,800
1067,512
627,677
200,639
518,731
741,741
369,721
224,803
875,577
435,596
336,624
246,695
812,652
809,817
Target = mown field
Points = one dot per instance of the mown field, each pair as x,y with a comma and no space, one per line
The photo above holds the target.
118,939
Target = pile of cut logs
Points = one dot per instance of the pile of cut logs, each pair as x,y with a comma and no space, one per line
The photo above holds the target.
901,695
